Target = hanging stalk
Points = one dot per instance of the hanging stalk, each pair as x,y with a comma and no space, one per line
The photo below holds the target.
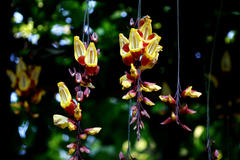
208,91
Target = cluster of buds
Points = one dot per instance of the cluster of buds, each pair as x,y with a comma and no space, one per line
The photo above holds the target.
184,110
24,82
140,52
87,57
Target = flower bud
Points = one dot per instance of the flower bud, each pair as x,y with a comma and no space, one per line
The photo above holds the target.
83,136
98,51
148,102
93,131
216,153
168,120
186,128
144,113
72,73
79,96
132,22
72,147
78,113
134,72
78,78
84,149
86,92
72,126
133,120
186,110
173,116
94,37
121,156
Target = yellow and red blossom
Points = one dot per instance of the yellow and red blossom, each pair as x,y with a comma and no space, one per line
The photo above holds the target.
24,81
130,94
83,136
148,101
72,148
63,122
125,53
66,99
142,42
91,59
134,72
79,50
78,113
191,93
168,99
93,131
151,86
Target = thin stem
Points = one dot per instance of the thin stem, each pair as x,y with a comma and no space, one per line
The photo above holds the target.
178,41
208,92
139,12
84,21
88,29
129,116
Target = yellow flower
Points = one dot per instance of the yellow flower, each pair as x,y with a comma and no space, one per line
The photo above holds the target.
60,121
151,86
124,50
24,81
93,131
191,93
125,82
78,113
34,74
79,50
134,72
66,99
151,50
91,59
12,78
72,147
145,27
21,66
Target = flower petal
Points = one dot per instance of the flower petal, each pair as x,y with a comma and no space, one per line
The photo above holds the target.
91,59
66,99
12,78
79,50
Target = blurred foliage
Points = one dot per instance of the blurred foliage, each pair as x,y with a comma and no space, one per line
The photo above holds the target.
42,32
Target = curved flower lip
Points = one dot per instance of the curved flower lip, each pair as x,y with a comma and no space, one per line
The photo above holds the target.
146,27
66,99
24,81
136,44
150,50
79,50
93,131
35,72
12,78
191,93
91,59
168,99
124,50
21,66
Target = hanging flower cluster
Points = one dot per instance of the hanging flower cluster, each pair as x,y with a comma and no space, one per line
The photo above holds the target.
188,92
24,82
140,52
87,57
